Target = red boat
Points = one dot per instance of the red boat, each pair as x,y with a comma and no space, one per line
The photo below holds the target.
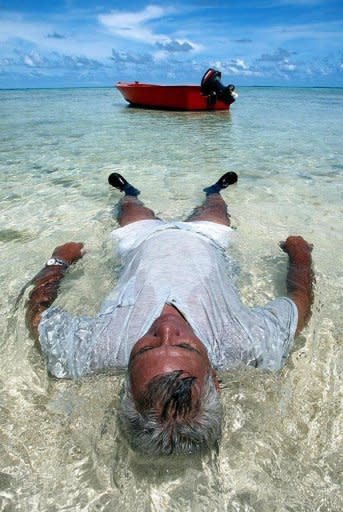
210,95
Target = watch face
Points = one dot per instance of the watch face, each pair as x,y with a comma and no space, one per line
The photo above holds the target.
54,261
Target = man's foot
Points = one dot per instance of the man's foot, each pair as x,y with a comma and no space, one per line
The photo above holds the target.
118,181
229,178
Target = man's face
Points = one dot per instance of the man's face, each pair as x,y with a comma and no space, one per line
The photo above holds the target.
170,344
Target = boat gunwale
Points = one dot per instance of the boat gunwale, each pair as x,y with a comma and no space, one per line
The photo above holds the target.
133,84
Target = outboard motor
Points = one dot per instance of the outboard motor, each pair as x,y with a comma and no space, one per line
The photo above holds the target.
212,87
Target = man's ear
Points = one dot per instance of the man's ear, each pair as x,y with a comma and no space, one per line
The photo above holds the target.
216,379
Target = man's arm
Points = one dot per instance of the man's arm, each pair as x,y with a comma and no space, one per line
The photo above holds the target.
300,276
47,281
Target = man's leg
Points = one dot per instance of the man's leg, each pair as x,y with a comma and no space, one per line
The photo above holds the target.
131,209
214,208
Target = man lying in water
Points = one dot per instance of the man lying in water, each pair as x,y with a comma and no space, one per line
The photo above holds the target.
173,319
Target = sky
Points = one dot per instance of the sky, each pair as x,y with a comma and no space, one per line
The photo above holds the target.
74,43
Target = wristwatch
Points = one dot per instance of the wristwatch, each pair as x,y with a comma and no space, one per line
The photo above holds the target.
56,261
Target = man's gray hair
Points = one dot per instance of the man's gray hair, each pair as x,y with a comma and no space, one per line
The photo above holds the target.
164,420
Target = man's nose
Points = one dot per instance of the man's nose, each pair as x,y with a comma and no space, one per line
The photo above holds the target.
167,332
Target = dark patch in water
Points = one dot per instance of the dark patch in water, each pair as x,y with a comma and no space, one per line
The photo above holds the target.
10,235
6,481
49,121
75,135
254,177
65,182
50,171
50,142
12,197
305,176
12,162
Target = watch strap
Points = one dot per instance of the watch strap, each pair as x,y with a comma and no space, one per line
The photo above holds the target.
56,261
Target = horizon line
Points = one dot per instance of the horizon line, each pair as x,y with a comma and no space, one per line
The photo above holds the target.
113,86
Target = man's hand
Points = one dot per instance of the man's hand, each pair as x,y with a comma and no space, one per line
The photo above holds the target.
47,281
69,252
297,248
300,276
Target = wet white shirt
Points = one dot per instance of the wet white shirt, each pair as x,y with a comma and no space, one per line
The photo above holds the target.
183,264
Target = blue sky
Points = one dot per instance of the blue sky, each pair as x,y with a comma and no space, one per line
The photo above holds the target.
87,43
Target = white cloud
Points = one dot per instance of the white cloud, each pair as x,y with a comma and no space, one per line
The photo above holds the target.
120,19
15,26
237,67
134,25
240,64
287,66
28,61
33,60
16,30
175,46
130,57
279,55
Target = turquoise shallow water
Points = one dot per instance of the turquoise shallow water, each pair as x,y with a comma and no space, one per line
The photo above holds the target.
59,446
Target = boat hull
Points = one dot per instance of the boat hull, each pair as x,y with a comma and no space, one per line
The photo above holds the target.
168,97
